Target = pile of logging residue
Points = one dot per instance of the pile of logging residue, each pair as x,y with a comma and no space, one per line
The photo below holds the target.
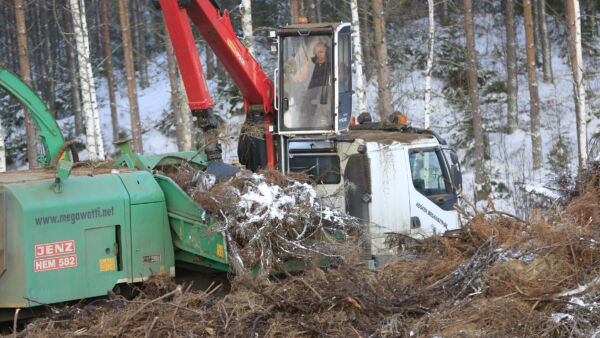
498,276
269,219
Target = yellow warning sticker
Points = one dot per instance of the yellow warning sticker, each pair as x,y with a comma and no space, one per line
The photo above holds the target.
220,251
107,264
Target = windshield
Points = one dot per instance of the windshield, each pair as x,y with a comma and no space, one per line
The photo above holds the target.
323,169
307,98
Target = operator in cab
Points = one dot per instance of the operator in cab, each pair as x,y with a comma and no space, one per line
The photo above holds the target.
317,102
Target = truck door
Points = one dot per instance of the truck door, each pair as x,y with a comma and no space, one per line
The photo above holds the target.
432,197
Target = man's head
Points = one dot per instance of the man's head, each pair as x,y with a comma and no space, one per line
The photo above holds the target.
321,52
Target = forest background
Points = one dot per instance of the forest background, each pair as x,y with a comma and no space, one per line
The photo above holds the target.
517,147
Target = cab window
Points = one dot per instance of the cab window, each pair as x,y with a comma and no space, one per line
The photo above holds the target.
429,174
307,91
323,169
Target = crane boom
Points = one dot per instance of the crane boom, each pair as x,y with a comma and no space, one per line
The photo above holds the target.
49,134
215,26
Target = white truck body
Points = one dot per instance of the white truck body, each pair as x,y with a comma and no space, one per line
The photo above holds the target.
397,183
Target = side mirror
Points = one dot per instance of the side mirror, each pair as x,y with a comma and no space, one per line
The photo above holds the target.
456,176
454,158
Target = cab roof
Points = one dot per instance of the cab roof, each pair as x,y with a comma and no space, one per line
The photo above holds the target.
320,27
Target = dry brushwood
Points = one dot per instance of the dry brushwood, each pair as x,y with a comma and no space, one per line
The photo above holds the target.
268,218
497,276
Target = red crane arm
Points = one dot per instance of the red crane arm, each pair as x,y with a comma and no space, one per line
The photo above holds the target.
216,28
184,46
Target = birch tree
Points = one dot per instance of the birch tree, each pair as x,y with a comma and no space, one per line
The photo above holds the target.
72,71
134,110
25,69
186,116
511,68
429,64
574,23
95,145
358,60
247,26
473,93
534,99
385,97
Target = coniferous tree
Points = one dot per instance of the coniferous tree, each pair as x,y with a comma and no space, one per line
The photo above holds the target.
110,77
534,99
26,75
134,111
473,93
174,83
546,53
385,97
72,72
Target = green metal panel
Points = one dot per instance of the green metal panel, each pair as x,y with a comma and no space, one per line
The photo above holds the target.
47,253
2,233
195,158
13,285
142,187
189,224
101,265
152,249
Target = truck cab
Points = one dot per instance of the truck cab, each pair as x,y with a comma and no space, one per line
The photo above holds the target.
395,178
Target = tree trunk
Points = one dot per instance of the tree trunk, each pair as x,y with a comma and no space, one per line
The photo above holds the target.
295,10
358,61
72,72
138,29
210,62
474,93
511,69
574,24
95,144
385,97
534,100
593,22
546,53
186,116
134,110
174,82
2,150
364,11
247,26
444,13
110,78
48,64
312,11
536,31
319,15
26,75
429,64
